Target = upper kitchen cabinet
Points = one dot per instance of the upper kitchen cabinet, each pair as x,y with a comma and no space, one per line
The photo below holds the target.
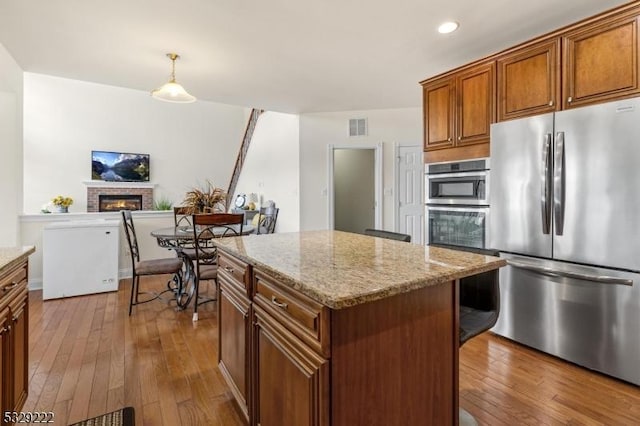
529,80
601,61
458,111
439,109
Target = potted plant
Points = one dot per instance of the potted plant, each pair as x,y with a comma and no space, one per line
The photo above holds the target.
208,198
61,204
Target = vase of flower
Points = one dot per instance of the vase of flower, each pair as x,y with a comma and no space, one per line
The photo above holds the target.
61,204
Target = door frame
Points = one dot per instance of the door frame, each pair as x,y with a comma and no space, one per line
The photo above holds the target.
396,184
377,180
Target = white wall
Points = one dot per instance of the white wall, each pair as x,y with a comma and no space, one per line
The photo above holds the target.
272,169
65,119
10,148
390,126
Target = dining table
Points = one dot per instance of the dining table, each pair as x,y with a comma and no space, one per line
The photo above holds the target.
182,240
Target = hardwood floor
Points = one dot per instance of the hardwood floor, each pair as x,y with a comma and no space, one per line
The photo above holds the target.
89,357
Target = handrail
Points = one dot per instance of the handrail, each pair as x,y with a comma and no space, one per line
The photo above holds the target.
242,153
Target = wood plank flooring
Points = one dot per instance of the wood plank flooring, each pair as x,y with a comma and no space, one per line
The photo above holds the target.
88,357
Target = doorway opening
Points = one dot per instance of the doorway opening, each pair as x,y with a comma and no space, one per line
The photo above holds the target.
355,187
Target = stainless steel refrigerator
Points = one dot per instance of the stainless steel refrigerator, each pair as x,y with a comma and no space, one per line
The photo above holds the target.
565,213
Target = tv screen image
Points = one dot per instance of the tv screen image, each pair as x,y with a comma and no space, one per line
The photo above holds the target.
119,166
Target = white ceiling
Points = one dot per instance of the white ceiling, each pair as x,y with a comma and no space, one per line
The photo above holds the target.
281,55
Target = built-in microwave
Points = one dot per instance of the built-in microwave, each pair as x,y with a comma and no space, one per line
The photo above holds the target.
462,183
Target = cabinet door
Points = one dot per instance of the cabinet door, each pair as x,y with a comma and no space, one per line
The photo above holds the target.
5,404
475,90
234,343
601,62
292,380
19,322
439,109
529,81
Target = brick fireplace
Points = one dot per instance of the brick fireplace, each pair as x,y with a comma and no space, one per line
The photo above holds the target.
114,190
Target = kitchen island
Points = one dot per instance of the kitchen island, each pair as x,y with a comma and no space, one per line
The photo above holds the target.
328,327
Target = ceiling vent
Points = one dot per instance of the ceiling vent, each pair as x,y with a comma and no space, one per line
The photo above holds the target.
357,127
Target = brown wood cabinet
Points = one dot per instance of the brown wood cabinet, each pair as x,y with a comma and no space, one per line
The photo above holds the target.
14,337
592,61
5,368
439,112
291,356
292,380
601,62
234,327
529,81
459,109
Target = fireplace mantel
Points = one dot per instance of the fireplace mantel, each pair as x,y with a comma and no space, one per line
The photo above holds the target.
115,184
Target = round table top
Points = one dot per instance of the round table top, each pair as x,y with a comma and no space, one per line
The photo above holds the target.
186,232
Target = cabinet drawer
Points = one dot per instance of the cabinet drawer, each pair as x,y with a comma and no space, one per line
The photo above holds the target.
304,317
13,279
235,272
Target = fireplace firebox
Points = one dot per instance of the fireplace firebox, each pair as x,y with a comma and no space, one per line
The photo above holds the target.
116,202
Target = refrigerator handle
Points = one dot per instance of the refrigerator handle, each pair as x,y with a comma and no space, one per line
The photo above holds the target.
545,184
603,279
558,184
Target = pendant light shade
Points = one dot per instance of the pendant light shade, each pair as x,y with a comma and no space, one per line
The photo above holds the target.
172,91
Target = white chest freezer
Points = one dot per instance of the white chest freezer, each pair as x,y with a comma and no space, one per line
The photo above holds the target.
80,257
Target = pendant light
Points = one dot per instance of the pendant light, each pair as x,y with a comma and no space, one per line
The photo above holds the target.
172,91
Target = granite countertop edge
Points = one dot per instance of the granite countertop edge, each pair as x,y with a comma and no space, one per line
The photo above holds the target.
15,255
348,301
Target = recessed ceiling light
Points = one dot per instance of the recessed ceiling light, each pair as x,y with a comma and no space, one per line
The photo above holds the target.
448,27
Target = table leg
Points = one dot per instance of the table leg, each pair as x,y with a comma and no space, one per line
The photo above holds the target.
188,287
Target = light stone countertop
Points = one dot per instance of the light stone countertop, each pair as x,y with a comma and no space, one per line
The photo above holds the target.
340,269
11,256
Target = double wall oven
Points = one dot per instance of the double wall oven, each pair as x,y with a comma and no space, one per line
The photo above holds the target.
457,203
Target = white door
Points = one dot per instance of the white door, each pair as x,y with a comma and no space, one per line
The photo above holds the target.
409,190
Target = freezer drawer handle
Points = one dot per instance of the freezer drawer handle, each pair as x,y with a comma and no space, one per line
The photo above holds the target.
603,279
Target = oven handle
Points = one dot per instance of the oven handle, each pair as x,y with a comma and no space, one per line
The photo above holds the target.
483,209
458,174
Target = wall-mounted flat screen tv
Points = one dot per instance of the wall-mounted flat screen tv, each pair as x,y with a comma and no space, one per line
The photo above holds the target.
119,166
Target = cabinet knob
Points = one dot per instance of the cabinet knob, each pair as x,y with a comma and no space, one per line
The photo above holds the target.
569,99
228,269
550,103
459,138
3,330
448,139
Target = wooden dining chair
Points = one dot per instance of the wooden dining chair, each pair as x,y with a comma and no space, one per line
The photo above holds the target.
172,265
206,229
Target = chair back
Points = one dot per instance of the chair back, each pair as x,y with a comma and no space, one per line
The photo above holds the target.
130,232
267,218
481,291
479,297
209,226
182,216
387,234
